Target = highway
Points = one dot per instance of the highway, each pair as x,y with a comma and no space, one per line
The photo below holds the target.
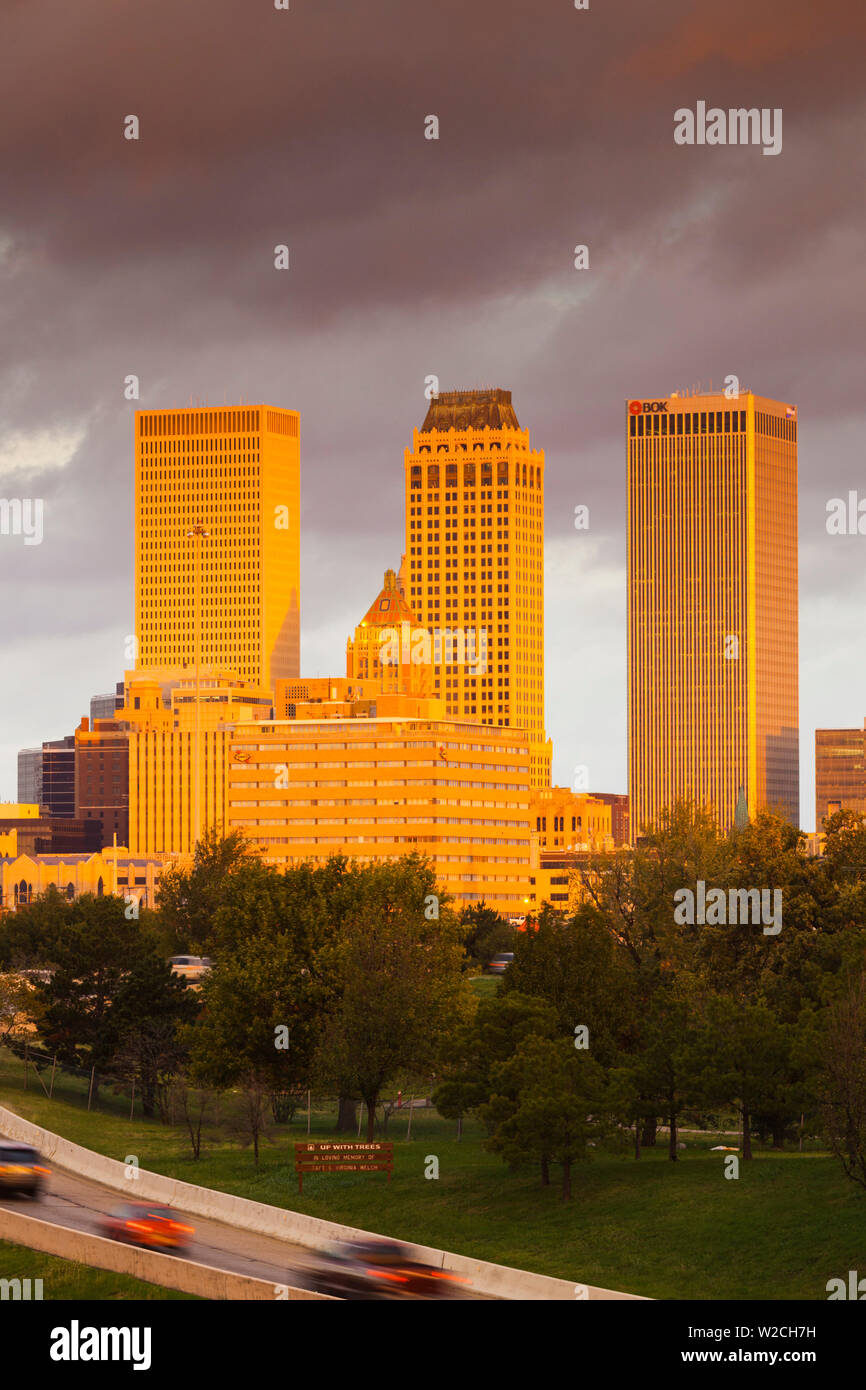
79,1203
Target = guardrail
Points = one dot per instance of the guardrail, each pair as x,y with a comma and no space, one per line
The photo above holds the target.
497,1281
165,1270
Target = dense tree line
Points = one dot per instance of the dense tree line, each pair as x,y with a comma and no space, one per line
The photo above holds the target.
626,1014
345,979
337,977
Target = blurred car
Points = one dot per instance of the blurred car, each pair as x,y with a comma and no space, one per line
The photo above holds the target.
21,1169
143,1223
378,1269
190,967
499,963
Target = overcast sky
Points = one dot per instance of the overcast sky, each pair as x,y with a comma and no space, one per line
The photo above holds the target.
412,257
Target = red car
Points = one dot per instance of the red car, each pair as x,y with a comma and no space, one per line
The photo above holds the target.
378,1269
143,1223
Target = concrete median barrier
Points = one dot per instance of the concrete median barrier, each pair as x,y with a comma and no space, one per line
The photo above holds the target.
497,1281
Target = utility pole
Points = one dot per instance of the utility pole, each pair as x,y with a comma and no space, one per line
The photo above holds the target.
198,534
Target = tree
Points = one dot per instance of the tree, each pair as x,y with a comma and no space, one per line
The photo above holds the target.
102,959
492,1036
842,1081
17,1006
190,896
633,894
576,966
747,1058
485,933
398,986
195,1104
663,1070
262,1016
549,1101
150,1007
251,1119
28,935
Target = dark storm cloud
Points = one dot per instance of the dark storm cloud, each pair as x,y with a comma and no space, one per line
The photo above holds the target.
412,257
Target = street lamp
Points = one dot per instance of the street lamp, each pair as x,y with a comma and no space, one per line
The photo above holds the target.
198,534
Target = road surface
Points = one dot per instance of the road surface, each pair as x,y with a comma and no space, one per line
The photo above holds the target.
80,1203
69,1200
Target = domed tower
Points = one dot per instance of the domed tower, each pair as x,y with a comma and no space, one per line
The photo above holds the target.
388,646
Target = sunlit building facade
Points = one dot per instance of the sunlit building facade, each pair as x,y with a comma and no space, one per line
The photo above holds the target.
377,788
390,646
474,565
236,473
160,722
712,605
25,877
840,772
563,819
102,777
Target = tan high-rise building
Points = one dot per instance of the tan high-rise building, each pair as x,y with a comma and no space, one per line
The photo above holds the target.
235,473
712,605
474,563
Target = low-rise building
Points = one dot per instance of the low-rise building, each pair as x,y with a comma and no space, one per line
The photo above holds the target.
567,820
169,748
376,788
30,829
25,877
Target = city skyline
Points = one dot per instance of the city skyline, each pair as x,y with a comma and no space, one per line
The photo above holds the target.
580,778
385,290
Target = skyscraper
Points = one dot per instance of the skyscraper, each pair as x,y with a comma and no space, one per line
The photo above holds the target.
236,474
58,776
840,772
30,775
475,561
712,605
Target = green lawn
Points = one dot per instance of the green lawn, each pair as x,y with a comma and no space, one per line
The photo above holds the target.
66,1279
485,985
789,1223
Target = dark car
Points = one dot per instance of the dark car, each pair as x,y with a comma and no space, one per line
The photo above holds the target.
21,1169
378,1269
145,1223
500,962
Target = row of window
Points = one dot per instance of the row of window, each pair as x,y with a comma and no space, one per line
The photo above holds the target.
701,422
188,422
